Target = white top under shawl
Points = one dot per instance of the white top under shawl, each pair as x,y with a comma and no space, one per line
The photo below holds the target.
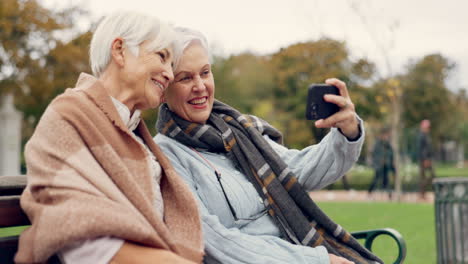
132,122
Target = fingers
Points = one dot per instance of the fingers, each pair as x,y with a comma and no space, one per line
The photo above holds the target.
339,120
345,119
341,101
340,85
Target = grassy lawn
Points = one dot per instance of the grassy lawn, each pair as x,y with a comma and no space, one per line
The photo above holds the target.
414,221
360,176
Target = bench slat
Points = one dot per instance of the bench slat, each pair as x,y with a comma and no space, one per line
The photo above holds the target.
11,213
12,185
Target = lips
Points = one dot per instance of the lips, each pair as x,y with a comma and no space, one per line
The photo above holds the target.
198,100
159,84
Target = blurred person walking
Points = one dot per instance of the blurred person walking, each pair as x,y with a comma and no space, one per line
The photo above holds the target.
382,162
425,155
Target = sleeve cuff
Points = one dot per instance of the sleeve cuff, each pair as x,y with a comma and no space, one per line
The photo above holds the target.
360,131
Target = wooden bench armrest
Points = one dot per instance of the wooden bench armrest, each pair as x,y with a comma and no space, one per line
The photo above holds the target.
370,235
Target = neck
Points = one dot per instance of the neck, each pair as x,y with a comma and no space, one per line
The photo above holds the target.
114,88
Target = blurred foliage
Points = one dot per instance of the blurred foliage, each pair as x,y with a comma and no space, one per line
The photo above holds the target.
461,122
36,61
242,79
29,32
427,97
42,53
295,68
299,65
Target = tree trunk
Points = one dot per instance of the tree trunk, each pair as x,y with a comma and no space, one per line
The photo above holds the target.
395,127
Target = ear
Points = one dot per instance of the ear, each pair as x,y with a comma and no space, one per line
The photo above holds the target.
117,51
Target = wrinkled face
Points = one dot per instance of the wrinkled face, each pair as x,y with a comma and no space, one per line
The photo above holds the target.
147,76
191,94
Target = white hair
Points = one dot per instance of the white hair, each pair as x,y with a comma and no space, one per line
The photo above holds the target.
134,28
186,37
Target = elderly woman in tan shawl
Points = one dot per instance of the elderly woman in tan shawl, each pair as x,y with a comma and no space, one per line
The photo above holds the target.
99,188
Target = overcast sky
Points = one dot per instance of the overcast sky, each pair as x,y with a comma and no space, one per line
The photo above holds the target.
405,29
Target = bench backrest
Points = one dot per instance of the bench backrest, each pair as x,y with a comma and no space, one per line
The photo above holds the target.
12,215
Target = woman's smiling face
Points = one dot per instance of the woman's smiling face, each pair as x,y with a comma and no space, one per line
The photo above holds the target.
191,94
147,76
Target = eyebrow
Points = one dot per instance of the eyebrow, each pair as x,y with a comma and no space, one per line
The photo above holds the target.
189,72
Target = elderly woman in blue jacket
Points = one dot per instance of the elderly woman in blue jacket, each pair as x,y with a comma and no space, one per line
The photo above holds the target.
252,190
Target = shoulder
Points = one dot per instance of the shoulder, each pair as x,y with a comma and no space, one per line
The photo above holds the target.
170,146
71,99
68,103
87,97
76,95
164,140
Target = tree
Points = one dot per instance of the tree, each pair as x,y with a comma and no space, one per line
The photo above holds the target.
426,96
299,65
60,70
295,68
242,79
461,101
384,44
41,54
28,32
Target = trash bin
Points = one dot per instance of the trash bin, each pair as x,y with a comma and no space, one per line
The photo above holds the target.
451,216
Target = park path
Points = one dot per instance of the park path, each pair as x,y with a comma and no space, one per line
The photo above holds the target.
363,196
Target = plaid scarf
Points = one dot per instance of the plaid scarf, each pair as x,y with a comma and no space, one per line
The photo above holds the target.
240,136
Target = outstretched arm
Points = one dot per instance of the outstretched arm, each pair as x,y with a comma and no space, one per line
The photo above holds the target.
319,165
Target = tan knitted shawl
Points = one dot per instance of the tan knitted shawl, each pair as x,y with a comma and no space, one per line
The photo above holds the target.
88,177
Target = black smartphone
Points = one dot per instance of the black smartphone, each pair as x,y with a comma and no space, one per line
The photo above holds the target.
317,108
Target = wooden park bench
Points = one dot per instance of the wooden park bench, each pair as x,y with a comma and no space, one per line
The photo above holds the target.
11,215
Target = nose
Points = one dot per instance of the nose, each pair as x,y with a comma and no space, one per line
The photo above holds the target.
168,74
199,84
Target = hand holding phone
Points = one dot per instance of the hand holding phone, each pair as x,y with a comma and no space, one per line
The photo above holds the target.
317,108
346,120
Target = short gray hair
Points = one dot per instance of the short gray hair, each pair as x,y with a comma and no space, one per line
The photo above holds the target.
186,37
134,28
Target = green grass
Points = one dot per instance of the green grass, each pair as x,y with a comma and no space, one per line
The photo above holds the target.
360,176
451,171
414,221
11,231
